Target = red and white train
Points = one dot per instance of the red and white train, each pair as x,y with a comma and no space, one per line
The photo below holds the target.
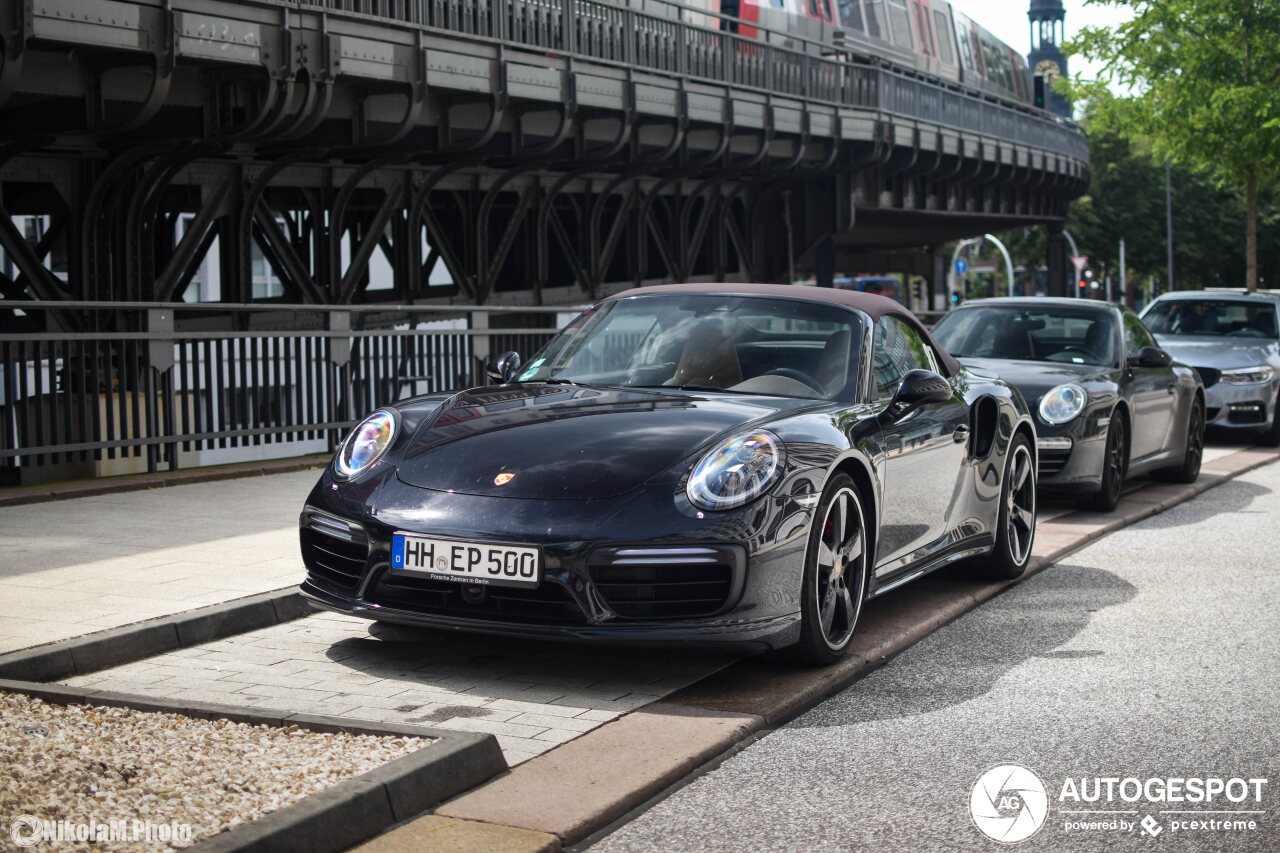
931,35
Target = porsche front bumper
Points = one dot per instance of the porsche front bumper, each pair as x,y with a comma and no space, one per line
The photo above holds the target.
731,578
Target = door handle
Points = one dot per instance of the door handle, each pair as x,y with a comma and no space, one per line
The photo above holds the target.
961,434
1171,387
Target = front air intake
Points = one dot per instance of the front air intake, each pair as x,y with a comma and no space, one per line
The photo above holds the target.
334,551
668,582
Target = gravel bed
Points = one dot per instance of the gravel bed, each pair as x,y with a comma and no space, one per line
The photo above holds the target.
93,764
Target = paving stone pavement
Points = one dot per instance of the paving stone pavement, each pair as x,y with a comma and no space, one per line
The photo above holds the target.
77,566
80,565
532,696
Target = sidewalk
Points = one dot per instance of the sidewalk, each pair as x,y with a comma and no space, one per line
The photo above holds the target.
78,565
72,567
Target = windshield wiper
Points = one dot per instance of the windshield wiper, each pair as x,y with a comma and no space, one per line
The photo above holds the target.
677,387
710,388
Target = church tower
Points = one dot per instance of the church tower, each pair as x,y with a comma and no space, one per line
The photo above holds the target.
1047,59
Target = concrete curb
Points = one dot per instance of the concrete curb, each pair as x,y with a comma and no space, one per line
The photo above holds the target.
759,693
23,495
351,811
116,646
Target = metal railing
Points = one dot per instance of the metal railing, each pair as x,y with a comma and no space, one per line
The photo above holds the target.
678,40
159,386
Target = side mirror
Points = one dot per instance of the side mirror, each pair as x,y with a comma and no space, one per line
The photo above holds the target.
918,388
1152,357
502,368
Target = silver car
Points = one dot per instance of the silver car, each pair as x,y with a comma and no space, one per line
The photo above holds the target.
1233,340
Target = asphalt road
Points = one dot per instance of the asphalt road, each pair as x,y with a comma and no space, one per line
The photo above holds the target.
1152,654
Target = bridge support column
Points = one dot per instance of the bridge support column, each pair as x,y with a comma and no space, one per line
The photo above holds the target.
938,296
1058,262
824,264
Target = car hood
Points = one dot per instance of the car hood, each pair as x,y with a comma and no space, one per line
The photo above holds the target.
1218,352
1035,378
570,441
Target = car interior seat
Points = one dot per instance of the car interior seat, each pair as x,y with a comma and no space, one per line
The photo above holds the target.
1098,340
833,365
709,358
1264,322
1012,341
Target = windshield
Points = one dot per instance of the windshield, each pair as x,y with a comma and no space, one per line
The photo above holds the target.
1060,335
1217,317
739,344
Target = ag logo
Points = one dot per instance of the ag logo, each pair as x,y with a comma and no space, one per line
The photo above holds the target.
1009,803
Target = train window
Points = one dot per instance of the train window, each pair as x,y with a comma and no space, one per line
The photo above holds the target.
979,60
996,72
962,42
900,24
944,37
826,12
875,18
813,9
851,14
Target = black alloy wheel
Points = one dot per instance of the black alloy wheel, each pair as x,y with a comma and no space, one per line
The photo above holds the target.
1189,470
835,576
1115,466
1016,524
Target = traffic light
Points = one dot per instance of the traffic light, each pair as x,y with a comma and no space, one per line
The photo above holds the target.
1039,81
955,298
1083,284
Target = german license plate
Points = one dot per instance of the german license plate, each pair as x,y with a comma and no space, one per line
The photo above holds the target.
466,562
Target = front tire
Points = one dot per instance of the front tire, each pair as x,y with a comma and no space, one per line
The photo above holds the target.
1016,521
835,575
1115,467
1189,470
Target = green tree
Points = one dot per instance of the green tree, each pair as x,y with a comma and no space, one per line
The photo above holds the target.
1206,81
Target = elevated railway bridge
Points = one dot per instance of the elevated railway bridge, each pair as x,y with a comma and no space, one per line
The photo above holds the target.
539,150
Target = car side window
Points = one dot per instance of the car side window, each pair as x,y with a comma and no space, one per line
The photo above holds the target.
1136,335
898,350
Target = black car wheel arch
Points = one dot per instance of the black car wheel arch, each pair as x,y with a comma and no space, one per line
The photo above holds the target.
1115,464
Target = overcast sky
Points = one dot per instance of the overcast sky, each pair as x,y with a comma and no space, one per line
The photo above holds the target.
1008,20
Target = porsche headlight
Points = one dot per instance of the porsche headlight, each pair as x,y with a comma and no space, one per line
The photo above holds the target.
366,444
1248,375
1063,404
736,471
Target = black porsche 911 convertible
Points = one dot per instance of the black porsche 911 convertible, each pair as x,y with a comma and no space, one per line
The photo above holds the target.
718,463
1110,403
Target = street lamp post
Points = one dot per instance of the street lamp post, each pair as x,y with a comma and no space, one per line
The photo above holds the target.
1168,219
964,244
1008,261
1075,253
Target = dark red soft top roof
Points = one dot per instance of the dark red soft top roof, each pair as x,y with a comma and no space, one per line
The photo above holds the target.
873,306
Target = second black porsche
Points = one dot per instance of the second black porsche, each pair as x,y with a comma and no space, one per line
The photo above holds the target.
1109,403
